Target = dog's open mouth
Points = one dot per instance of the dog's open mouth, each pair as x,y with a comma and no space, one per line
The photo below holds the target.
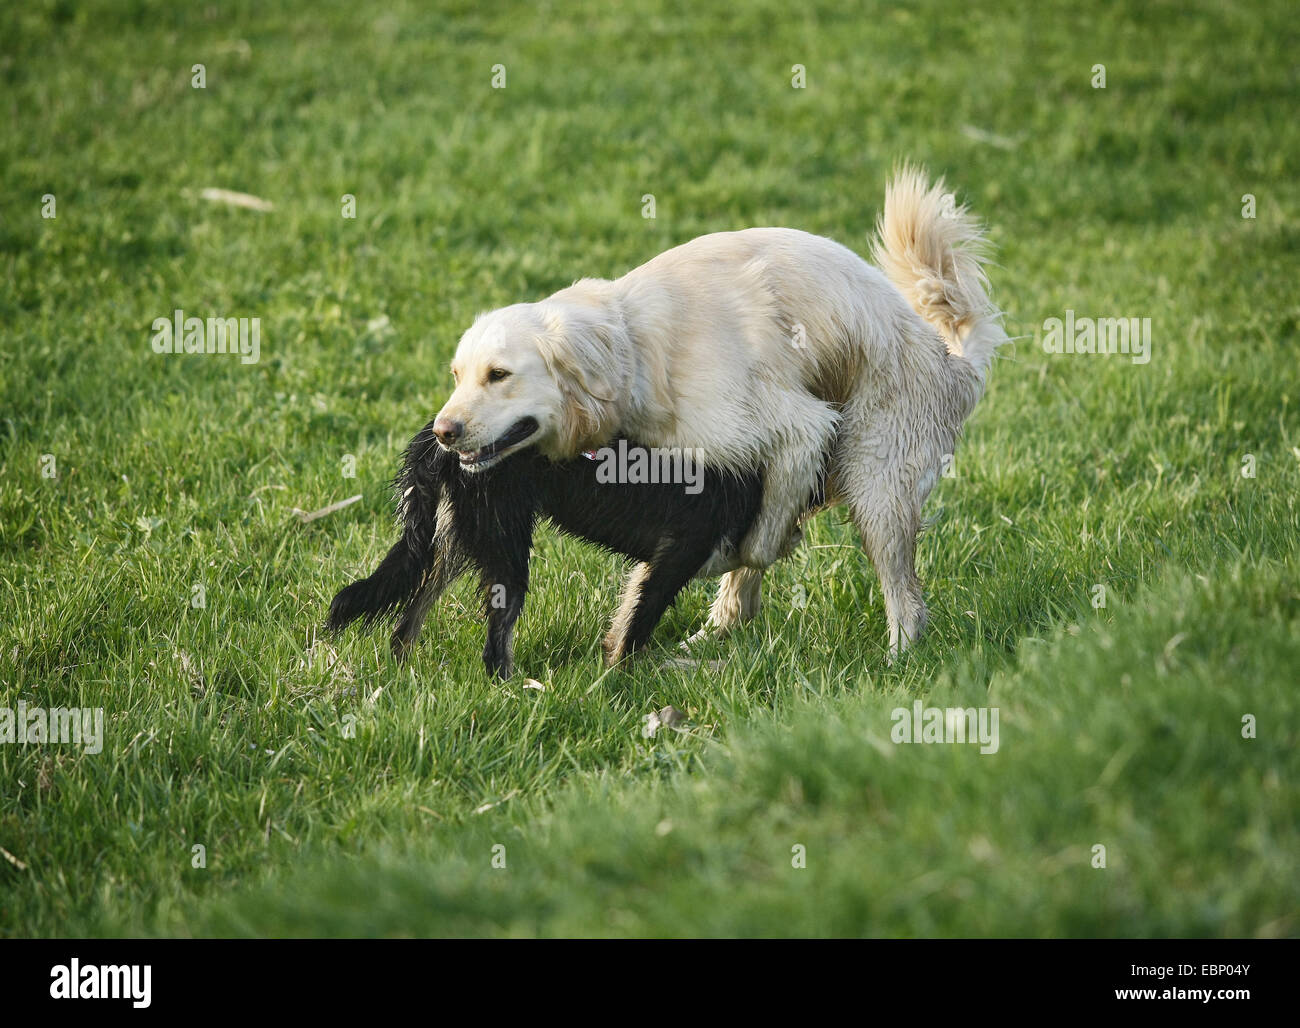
518,433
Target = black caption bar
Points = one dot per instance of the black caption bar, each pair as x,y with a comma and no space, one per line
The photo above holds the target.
150,978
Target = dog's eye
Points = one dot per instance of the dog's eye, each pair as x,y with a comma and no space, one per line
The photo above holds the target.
497,374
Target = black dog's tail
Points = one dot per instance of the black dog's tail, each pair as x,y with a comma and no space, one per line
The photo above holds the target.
401,574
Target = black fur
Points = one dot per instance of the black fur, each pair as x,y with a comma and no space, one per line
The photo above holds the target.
492,515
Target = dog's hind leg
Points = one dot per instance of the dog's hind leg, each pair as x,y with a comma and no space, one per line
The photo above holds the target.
890,541
884,488
615,641
650,590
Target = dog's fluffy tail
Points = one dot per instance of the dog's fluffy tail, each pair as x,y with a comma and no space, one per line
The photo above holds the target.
405,569
934,252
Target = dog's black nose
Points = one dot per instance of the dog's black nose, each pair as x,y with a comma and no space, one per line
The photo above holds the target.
447,430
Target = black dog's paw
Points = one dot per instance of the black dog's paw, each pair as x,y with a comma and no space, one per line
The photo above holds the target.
352,602
498,660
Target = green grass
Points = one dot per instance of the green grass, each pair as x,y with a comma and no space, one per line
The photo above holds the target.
1120,726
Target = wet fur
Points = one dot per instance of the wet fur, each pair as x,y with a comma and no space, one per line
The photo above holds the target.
769,349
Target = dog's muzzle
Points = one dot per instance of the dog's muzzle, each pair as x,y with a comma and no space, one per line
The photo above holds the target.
476,460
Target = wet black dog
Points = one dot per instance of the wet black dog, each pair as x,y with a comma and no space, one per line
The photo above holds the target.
454,521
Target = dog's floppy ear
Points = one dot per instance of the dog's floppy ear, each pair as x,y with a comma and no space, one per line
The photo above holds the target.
583,352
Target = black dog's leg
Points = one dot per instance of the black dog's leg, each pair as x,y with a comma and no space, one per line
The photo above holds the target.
425,560
650,590
504,598
498,536
448,563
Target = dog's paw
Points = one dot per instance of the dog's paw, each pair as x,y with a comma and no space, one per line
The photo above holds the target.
613,649
705,634
350,603
400,645
901,637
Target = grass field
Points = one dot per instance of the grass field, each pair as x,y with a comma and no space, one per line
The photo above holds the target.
351,796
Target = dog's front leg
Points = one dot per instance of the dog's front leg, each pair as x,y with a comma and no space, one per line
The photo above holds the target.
447,564
739,596
505,602
504,583
790,481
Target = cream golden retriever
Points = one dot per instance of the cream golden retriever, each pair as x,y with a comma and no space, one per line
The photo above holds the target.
769,349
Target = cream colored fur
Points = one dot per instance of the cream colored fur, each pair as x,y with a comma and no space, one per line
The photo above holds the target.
766,348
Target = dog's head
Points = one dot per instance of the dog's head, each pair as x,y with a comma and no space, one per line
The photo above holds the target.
541,374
